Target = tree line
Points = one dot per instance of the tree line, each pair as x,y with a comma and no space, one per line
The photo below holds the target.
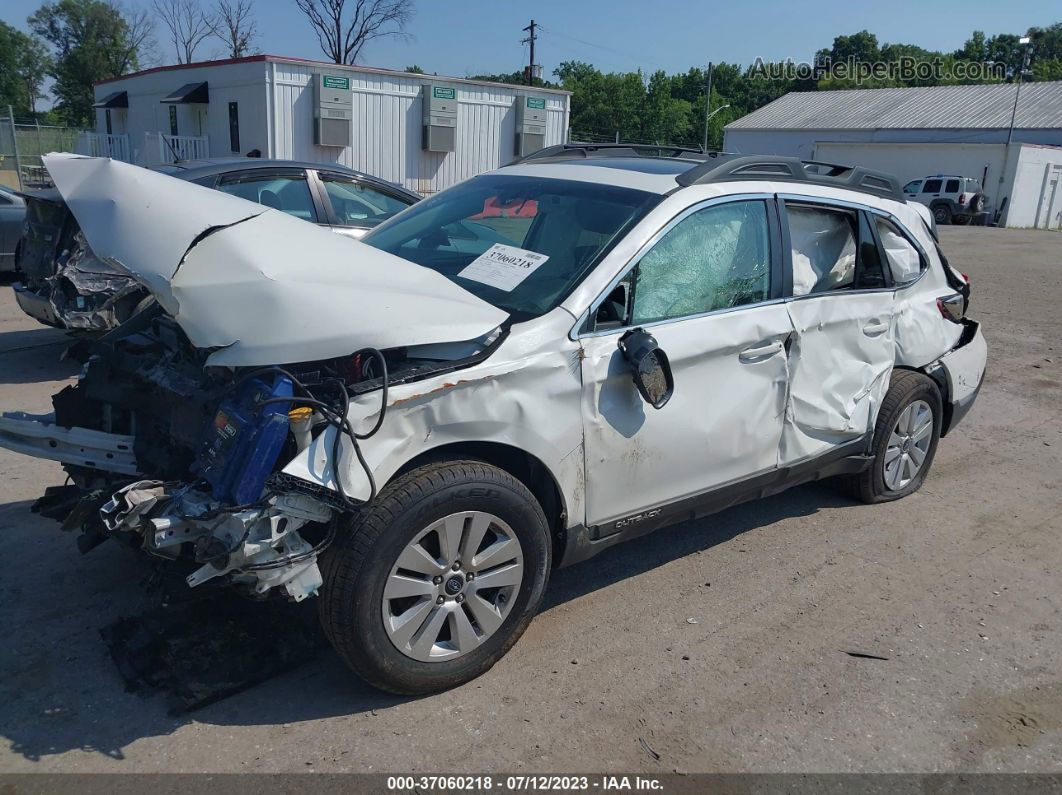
661,108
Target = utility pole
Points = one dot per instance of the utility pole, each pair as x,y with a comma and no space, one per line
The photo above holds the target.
1027,43
707,107
531,64
1017,92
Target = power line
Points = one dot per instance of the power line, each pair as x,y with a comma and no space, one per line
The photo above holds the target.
613,50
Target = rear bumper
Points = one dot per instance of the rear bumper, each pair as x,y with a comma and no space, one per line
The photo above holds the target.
35,305
964,368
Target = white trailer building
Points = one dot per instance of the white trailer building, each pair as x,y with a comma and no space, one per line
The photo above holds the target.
922,131
421,131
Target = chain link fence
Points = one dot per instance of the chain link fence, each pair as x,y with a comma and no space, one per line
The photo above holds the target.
22,142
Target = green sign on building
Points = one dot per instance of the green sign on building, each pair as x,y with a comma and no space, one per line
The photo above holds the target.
441,92
534,102
330,81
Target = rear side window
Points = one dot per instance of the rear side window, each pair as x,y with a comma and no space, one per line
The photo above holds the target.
952,186
358,204
823,249
904,260
288,193
716,258
932,186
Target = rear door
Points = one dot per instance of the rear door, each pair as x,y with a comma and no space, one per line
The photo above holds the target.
842,308
285,189
356,205
931,189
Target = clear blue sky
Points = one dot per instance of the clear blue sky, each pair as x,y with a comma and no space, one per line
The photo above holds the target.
465,37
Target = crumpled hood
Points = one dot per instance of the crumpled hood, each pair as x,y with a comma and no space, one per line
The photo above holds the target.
264,287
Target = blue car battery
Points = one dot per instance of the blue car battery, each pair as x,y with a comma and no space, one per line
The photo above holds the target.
244,440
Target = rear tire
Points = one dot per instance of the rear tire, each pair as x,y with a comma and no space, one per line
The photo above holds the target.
380,575
905,440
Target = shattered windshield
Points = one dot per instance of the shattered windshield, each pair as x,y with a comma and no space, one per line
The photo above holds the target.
519,243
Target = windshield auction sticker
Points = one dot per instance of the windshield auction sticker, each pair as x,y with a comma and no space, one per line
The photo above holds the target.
504,267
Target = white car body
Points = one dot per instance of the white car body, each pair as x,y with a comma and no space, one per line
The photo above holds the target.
765,395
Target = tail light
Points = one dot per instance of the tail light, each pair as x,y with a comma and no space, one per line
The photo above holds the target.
962,199
952,307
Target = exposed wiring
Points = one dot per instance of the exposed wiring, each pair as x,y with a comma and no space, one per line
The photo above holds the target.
339,420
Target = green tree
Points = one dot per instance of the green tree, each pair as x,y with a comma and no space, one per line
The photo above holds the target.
24,62
93,41
514,79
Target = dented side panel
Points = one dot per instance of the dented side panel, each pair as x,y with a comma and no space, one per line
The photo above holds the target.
723,422
840,358
922,333
965,368
525,396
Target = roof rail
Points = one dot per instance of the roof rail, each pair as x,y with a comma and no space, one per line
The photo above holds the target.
791,169
614,150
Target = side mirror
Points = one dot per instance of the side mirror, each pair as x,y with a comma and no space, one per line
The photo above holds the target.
649,366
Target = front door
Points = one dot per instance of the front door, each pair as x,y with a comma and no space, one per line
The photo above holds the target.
705,289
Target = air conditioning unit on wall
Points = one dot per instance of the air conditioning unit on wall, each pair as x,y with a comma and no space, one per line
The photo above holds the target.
530,124
333,120
440,117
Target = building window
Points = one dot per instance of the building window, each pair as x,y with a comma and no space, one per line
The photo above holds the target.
107,120
234,127
173,119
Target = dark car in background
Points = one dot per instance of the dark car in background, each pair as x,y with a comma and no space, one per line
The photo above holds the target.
12,214
63,284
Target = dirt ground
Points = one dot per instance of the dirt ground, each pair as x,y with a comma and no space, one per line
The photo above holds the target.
719,644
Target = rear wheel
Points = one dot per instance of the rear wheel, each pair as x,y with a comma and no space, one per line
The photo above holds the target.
905,440
942,214
436,581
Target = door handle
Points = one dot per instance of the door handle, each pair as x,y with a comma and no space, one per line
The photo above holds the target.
875,327
761,352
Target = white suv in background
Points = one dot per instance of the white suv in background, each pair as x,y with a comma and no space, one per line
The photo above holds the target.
509,376
951,199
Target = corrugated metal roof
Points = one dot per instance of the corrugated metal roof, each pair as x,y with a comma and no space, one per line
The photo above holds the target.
931,107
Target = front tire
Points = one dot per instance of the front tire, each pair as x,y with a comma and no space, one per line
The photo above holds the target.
905,440
434,582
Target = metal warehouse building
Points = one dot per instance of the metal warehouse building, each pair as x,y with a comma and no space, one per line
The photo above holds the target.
917,132
421,131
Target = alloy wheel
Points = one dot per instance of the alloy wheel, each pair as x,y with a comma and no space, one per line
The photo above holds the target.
452,586
908,445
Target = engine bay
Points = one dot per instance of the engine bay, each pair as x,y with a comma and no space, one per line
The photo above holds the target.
183,460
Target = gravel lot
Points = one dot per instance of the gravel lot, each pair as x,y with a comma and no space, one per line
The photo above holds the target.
958,586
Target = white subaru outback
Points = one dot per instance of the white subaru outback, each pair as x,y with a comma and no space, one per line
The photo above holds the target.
510,376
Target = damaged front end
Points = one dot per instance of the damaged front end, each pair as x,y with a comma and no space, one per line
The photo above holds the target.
62,282
179,429
180,460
